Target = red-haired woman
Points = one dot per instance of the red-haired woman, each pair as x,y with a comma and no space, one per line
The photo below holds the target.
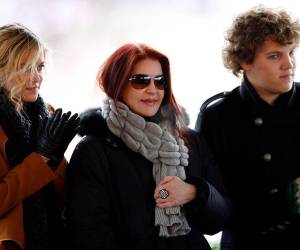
135,180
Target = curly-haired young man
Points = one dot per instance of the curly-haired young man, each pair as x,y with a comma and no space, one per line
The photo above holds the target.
254,131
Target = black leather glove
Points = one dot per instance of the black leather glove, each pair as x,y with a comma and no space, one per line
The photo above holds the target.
71,129
55,133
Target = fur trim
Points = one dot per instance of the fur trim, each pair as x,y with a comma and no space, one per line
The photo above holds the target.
92,122
186,116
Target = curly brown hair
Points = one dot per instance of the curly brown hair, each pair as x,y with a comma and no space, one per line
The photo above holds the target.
249,31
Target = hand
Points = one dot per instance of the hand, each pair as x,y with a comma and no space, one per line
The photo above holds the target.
55,133
297,185
71,129
179,191
294,195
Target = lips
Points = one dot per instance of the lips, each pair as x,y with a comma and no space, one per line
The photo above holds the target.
149,101
32,88
287,76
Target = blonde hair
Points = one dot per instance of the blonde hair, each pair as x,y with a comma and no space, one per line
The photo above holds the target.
20,49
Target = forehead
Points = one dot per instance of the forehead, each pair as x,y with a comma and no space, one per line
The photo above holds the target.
271,45
33,57
147,66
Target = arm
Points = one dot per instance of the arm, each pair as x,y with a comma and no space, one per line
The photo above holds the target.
23,180
60,175
90,219
202,193
211,206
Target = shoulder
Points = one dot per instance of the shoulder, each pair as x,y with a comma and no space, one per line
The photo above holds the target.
297,85
92,123
95,133
220,100
195,139
217,105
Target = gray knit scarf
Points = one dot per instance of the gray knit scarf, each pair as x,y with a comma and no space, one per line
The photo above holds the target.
167,152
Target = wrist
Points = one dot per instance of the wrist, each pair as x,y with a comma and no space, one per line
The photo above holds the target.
192,192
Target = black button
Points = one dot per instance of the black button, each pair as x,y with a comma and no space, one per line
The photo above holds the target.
274,191
267,157
258,121
281,227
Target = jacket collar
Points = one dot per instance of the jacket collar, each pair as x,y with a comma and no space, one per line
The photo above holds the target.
284,102
19,127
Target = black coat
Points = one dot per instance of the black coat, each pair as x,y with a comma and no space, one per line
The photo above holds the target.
111,188
257,147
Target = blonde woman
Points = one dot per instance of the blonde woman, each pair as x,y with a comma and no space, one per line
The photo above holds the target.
32,145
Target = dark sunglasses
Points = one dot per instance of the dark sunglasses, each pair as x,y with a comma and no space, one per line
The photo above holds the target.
141,81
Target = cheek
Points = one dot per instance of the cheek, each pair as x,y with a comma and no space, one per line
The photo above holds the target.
162,95
127,97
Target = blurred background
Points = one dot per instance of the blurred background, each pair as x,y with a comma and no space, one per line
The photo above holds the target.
81,34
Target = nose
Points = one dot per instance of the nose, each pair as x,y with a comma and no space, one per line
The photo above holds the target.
289,62
151,87
37,77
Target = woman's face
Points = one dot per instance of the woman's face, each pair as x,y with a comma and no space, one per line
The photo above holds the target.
30,90
142,98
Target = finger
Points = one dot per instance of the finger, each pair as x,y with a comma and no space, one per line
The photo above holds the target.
73,122
66,116
298,182
160,200
156,195
55,120
73,118
63,120
157,190
39,125
165,180
60,126
166,204
72,127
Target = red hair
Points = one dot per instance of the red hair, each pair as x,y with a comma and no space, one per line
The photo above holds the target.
113,76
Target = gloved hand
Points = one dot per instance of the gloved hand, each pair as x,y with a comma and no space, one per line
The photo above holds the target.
293,196
71,129
55,133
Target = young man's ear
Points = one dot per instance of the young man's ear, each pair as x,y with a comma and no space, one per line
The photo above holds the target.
245,66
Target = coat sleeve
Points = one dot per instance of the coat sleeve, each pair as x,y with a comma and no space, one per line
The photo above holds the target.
211,208
89,216
60,176
22,181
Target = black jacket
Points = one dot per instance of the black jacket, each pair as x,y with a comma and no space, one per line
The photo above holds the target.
257,147
111,188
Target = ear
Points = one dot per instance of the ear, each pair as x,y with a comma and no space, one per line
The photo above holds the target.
245,66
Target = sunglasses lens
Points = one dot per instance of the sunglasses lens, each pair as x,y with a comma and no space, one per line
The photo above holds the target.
160,82
142,81
139,81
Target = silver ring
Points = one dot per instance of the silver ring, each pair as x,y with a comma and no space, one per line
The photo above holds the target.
163,193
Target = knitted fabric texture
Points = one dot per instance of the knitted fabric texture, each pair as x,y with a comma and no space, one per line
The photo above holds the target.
168,154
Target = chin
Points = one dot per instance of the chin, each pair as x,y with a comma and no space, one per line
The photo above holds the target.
29,98
147,114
